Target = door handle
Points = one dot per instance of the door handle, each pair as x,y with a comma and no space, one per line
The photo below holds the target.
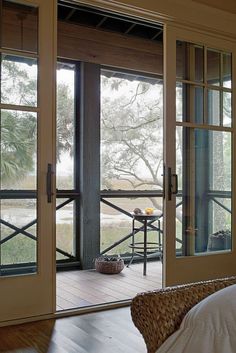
176,184
49,183
191,230
164,181
170,185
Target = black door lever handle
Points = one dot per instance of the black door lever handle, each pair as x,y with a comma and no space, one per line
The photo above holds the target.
49,183
170,185
176,184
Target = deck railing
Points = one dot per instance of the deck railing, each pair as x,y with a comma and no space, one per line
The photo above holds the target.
133,195
106,195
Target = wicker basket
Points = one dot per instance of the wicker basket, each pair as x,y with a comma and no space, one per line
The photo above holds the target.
109,267
159,313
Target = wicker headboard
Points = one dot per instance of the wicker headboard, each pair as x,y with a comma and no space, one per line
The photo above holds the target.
159,313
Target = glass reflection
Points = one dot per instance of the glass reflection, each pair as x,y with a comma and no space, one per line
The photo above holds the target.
227,70
18,248
206,192
189,61
189,103
227,109
213,67
213,107
18,150
19,80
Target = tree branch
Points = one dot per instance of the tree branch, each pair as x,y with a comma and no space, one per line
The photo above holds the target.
132,100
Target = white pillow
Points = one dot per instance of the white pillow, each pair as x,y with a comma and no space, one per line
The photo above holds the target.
209,327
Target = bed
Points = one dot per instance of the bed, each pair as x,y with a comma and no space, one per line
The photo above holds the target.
158,314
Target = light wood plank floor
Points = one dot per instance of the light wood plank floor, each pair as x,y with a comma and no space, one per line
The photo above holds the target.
102,332
85,288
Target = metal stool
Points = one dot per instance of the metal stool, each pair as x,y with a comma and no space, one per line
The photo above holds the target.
146,247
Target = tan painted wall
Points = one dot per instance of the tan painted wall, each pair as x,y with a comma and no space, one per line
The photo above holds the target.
226,5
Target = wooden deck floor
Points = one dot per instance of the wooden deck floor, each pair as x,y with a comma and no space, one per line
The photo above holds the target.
85,288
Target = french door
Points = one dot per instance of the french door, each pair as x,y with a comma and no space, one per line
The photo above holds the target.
27,260
199,200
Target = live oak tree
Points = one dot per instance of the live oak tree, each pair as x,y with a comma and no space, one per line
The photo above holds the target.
132,139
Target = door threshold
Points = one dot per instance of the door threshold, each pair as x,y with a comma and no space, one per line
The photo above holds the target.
69,312
93,308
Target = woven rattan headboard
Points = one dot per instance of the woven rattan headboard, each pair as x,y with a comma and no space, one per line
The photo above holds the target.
158,314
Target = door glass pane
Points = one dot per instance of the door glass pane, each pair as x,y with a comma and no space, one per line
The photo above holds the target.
189,103
181,59
199,63
19,25
218,148
65,125
179,101
18,161
18,80
18,139
179,198
227,109
227,70
213,107
18,150
206,195
189,61
203,156
197,105
213,67
131,131
18,237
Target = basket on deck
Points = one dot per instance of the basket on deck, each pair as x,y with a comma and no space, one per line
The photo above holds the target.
109,265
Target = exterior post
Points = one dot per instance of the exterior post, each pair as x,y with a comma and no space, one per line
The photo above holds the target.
90,165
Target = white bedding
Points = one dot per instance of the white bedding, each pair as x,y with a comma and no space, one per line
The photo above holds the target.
209,327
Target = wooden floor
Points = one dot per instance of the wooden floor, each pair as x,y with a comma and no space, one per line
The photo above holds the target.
103,332
85,288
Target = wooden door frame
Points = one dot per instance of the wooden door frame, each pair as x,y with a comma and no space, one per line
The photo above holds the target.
34,294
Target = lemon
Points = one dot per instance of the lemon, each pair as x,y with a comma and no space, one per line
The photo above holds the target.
149,210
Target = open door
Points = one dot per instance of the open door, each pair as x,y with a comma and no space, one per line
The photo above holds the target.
27,260
199,173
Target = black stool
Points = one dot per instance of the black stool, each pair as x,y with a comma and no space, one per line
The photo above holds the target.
146,247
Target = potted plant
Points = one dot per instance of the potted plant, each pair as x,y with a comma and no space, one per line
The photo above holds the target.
109,264
220,240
